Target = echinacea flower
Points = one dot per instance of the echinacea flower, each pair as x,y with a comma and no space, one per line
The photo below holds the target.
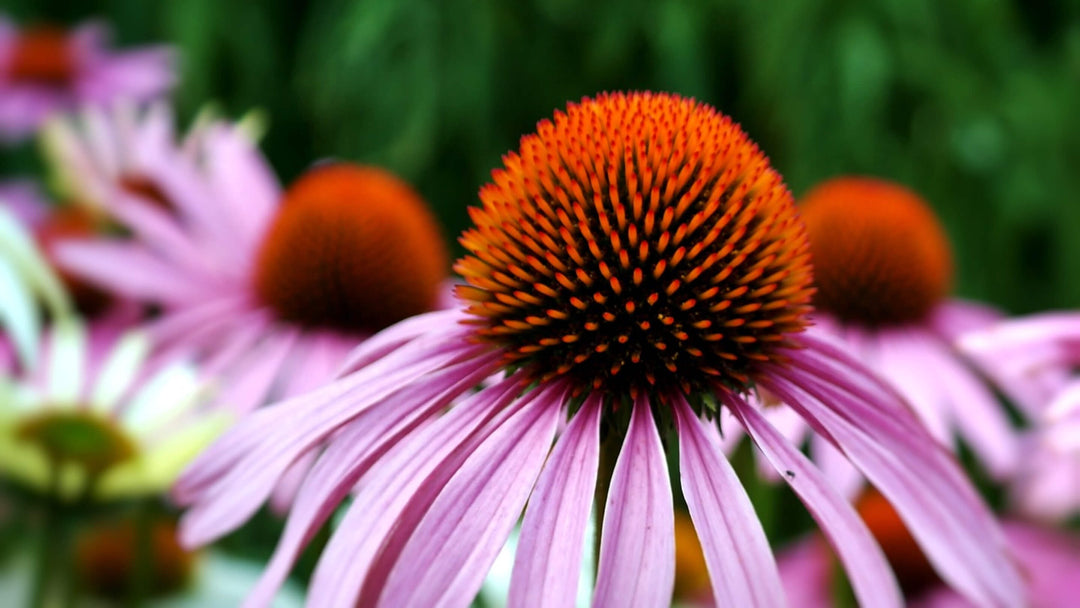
883,269
46,69
92,419
25,279
269,289
1048,558
635,266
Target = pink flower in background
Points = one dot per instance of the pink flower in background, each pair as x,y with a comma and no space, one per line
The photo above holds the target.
269,288
883,269
45,70
107,159
1048,559
635,267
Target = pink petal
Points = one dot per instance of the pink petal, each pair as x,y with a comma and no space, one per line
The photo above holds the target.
400,491
637,548
128,270
548,561
246,187
923,482
239,492
867,568
740,562
457,541
979,416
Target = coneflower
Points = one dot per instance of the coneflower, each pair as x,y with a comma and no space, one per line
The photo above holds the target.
634,267
46,69
883,271
270,289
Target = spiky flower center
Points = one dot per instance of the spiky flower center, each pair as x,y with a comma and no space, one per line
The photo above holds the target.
42,56
352,248
880,255
913,570
637,242
80,437
106,560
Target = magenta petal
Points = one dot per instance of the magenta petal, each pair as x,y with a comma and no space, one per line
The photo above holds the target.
741,564
920,479
385,490
449,554
127,270
869,572
548,561
978,415
637,548
238,493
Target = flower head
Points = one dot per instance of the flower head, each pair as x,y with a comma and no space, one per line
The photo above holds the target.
45,69
883,268
674,242
269,288
880,255
635,266
94,418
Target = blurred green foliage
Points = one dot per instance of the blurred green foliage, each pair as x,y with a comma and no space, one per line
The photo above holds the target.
972,103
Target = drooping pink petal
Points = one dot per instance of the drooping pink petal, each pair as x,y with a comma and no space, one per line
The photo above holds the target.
978,415
867,568
903,362
469,522
402,490
238,493
127,270
249,387
548,561
737,553
924,484
385,491
637,547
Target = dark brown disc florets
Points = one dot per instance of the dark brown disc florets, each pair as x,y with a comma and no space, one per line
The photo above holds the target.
637,242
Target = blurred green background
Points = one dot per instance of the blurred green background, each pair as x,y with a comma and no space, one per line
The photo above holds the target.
972,103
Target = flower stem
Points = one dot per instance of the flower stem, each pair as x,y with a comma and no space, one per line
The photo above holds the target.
144,554
52,546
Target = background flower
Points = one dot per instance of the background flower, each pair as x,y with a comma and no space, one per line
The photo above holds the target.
46,69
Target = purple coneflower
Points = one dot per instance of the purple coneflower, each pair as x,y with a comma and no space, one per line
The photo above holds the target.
46,69
268,289
636,266
883,269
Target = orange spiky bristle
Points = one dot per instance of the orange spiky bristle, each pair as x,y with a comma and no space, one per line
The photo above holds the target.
352,248
880,255
42,56
637,242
